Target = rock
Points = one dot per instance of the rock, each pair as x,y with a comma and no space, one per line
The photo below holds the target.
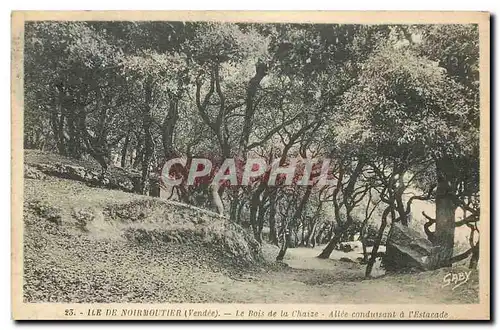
32,173
356,245
407,248
345,247
344,259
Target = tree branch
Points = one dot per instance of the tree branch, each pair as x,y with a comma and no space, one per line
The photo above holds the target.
469,219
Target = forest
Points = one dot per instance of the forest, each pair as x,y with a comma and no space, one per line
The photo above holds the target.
394,107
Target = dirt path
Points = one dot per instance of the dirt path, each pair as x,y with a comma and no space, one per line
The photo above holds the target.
313,280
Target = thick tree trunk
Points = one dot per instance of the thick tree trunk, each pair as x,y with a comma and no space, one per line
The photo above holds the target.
474,259
325,254
444,235
336,239
73,146
363,235
233,208
365,253
273,235
254,207
336,233
260,219
253,85
310,235
168,126
240,211
398,198
284,244
331,233
57,123
148,137
302,235
123,161
378,240
139,156
300,209
217,200
319,236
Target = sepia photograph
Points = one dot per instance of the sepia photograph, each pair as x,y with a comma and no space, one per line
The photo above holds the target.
225,165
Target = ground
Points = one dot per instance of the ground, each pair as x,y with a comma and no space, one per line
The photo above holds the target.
86,244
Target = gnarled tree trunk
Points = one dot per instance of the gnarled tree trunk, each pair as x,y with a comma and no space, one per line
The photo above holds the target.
148,137
378,240
273,235
444,235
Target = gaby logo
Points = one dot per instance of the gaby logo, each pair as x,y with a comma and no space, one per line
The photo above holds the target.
235,172
456,279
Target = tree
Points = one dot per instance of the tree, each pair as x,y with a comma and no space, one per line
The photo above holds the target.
408,110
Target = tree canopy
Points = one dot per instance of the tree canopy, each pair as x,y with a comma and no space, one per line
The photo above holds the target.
394,107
